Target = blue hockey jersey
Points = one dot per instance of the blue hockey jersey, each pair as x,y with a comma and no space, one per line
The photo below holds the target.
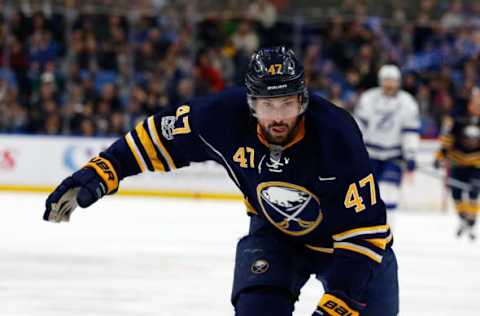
318,189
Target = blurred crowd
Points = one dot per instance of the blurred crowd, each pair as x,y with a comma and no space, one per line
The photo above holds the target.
66,70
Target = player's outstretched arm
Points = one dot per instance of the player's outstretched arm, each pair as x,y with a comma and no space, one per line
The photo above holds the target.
162,142
84,187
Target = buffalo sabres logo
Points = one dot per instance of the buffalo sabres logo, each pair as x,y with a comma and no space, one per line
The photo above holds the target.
260,266
291,208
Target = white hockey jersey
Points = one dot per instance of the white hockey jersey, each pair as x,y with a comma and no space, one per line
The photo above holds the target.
390,125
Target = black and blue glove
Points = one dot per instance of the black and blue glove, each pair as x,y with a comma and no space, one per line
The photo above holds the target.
411,165
83,188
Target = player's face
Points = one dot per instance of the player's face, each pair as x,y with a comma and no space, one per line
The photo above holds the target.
278,117
390,86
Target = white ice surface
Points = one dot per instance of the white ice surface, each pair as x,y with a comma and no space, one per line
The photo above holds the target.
145,256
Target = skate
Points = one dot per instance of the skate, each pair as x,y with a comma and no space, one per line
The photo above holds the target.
471,233
472,236
461,229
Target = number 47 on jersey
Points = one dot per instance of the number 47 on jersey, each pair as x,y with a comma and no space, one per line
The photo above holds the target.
353,198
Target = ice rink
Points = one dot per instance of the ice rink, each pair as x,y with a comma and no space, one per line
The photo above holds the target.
147,256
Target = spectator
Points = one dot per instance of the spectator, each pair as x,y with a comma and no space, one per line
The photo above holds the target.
453,17
87,128
264,12
207,73
245,39
118,67
117,124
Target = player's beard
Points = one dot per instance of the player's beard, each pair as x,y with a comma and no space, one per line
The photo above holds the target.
285,137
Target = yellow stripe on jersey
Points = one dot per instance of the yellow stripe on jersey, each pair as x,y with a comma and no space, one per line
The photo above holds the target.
467,156
461,207
446,141
360,231
358,249
136,153
474,207
390,237
468,207
440,155
147,144
250,209
464,159
320,249
380,242
156,139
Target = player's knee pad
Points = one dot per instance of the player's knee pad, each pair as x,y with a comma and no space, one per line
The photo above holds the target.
264,262
390,193
260,301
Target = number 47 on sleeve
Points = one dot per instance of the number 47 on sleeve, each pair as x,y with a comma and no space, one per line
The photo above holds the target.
353,198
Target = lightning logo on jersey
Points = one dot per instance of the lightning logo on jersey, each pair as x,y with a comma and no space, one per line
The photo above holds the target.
389,124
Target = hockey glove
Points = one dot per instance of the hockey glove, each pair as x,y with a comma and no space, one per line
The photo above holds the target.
440,160
83,188
411,165
437,164
336,304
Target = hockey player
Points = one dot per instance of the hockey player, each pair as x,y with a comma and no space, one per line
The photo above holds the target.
389,120
304,172
461,148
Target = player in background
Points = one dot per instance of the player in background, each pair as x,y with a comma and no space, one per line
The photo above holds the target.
303,169
461,152
389,120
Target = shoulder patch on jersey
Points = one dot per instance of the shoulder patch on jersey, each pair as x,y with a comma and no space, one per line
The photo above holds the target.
167,126
291,208
260,266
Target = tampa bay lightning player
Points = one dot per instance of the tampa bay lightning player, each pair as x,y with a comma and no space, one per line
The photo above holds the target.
390,122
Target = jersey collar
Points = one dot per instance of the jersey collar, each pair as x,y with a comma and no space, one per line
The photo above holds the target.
298,136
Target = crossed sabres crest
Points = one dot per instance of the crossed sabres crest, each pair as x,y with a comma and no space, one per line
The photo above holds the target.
290,203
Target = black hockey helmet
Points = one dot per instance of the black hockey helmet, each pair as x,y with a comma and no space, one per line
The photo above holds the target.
275,72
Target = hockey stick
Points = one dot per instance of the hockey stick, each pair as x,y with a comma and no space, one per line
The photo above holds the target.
449,181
